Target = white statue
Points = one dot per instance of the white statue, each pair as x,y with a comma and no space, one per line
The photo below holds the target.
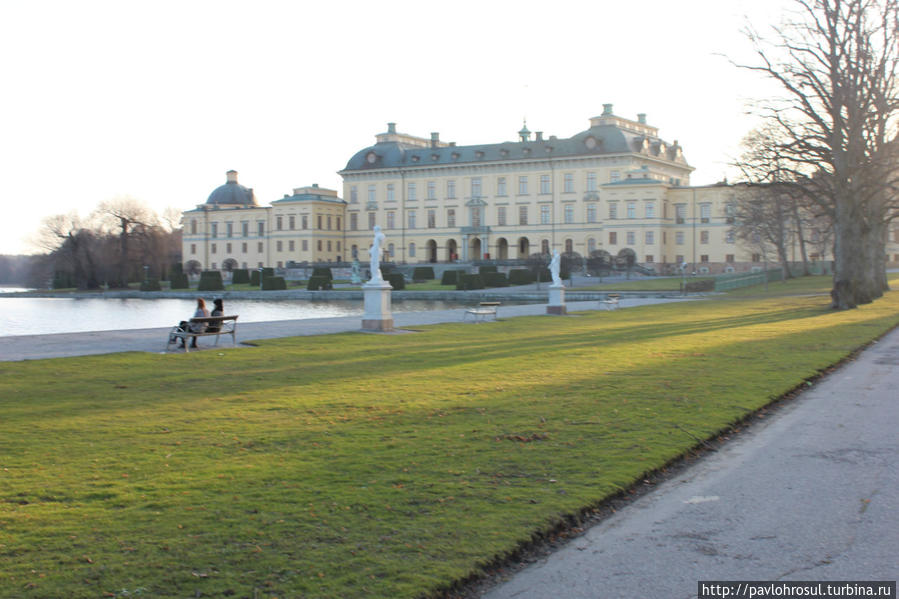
375,252
554,268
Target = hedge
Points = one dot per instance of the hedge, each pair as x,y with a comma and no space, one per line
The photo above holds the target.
273,284
494,279
396,280
318,282
323,271
702,285
466,282
240,275
423,273
151,284
266,272
520,276
486,268
210,280
450,277
179,281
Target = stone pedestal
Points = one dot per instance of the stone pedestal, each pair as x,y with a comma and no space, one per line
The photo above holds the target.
378,316
556,300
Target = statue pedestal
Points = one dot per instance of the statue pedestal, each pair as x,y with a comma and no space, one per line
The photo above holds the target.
378,316
556,300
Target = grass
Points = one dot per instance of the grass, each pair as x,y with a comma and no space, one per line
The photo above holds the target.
653,284
373,465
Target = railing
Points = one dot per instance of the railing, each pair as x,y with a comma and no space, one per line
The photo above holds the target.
746,279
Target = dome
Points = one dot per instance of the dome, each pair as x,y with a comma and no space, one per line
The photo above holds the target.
232,193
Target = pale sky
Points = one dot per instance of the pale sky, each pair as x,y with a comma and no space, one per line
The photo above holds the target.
157,100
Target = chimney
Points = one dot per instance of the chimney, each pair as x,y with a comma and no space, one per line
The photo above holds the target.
607,110
391,127
539,135
435,139
231,176
641,118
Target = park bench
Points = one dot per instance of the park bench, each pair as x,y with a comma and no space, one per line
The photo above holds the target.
215,325
483,310
611,301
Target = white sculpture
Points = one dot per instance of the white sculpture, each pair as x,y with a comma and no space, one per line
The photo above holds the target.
554,268
375,252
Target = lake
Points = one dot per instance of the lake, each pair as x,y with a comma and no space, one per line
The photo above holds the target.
41,316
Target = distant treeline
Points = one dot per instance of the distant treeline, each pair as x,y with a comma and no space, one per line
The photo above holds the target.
18,270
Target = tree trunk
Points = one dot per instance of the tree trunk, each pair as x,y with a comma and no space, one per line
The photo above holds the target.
797,221
849,280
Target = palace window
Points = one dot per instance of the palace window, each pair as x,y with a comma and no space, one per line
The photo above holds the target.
279,246
475,216
704,258
613,238
193,248
729,237
411,250
679,237
523,185
591,213
614,176
413,192
329,245
544,184
292,222
680,213
631,210
259,247
522,215
371,193
391,194
501,186
371,220
451,189
501,215
728,257
260,229
214,230
305,221
319,245
631,238
569,214
391,220
305,245
591,245
569,183
432,190
475,187
338,223
411,219
291,245
650,237
432,219
544,215
229,230
318,222
193,227
705,212
227,248
279,223
544,246
591,181
450,217
354,195
649,258
613,210
245,229
213,248
650,209
703,237
354,221
243,247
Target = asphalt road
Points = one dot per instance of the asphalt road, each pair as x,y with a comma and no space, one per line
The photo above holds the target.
810,493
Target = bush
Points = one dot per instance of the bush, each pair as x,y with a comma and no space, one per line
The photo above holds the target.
210,280
151,284
486,268
543,275
179,281
450,277
322,271
423,273
318,282
240,276
466,282
520,276
273,284
494,279
396,280
701,285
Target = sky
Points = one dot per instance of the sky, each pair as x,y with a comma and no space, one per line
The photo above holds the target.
157,100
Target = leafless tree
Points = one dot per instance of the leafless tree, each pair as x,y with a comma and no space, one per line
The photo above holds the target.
128,214
836,62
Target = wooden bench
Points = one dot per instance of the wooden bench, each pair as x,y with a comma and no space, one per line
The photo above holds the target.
215,325
611,302
483,310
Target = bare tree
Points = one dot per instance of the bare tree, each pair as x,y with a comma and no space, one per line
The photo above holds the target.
127,214
836,61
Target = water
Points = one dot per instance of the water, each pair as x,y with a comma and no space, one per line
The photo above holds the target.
41,316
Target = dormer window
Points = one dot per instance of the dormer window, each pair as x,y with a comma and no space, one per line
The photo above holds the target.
371,158
415,158
479,154
435,157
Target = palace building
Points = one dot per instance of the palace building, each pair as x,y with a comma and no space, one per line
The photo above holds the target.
616,187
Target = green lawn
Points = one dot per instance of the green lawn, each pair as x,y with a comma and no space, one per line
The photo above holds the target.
650,284
362,465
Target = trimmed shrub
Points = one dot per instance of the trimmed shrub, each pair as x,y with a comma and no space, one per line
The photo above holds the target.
151,284
318,282
466,282
520,276
494,279
701,285
210,280
450,277
396,280
273,284
323,271
240,276
486,268
543,275
423,273
179,281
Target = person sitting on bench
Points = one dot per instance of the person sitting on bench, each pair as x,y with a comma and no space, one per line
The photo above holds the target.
218,310
198,327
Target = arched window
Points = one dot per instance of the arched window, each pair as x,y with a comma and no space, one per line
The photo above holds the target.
390,250
411,250
569,246
544,246
591,245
